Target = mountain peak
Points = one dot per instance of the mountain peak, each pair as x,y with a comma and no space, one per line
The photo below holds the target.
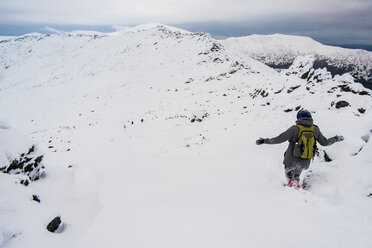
280,51
153,26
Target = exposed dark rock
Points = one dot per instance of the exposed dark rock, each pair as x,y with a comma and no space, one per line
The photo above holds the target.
361,110
36,198
24,182
360,149
28,165
342,104
26,159
189,81
39,159
288,110
364,93
14,165
28,168
310,75
305,75
279,91
345,88
31,150
215,48
209,79
297,108
258,92
199,117
332,90
291,89
54,224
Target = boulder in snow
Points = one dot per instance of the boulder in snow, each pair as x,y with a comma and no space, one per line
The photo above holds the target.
342,104
55,225
36,198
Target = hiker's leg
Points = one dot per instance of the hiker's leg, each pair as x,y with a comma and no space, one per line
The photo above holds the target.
289,172
297,173
303,165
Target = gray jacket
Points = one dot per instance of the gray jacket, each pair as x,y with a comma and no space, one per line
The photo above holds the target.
291,135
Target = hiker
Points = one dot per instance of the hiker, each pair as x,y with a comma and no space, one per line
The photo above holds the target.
302,139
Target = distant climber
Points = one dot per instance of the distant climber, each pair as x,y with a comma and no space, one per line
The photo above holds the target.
302,148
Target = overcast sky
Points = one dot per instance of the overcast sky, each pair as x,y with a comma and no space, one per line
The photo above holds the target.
342,21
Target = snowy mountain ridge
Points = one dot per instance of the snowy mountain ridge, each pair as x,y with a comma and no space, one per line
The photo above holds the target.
279,51
148,140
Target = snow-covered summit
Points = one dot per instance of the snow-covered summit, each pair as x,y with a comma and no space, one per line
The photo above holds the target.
275,42
279,51
153,26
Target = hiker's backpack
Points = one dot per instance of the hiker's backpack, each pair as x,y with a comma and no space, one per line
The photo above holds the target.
306,144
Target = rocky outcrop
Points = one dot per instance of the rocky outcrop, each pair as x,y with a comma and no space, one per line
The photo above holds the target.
18,156
28,164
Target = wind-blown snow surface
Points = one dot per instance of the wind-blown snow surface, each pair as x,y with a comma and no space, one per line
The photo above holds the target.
171,182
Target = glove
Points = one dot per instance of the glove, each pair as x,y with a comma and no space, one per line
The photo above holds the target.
339,138
260,141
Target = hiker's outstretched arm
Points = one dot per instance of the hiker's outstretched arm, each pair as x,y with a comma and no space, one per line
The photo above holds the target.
323,140
285,136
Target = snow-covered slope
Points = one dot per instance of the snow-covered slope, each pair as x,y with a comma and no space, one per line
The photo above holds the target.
279,51
190,174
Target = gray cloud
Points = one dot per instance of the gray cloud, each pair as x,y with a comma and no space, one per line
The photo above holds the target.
337,18
170,11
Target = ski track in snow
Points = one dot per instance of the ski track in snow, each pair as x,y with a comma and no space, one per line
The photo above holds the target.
170,182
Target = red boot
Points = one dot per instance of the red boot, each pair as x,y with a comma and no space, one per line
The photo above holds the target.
293,183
